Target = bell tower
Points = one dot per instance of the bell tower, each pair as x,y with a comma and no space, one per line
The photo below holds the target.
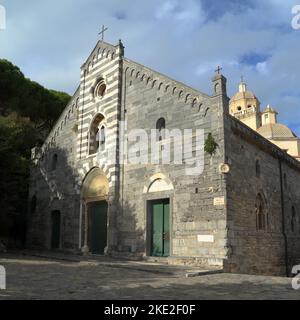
245,106
269,115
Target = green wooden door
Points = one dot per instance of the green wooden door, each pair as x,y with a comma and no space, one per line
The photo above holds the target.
166,229
160,228
55,236
98,225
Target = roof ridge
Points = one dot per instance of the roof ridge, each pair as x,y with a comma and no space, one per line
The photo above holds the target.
167,77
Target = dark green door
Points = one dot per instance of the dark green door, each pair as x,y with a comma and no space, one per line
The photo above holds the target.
160,213
55,236
98,226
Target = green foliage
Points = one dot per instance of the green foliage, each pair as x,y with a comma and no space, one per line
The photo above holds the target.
27,113
210,145
17,137
28,98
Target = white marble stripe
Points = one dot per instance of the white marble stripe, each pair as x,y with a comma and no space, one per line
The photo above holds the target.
102,62
89,103
90,79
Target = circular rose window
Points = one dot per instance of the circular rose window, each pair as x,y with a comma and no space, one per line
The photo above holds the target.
100,89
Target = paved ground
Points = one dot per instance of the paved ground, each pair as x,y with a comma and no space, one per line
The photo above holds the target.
32,277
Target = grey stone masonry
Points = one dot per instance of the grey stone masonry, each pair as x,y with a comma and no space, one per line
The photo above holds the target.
227,216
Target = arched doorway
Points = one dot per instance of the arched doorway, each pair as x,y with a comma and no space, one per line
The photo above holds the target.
158,193
94,196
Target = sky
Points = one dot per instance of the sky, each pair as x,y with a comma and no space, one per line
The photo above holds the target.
186,40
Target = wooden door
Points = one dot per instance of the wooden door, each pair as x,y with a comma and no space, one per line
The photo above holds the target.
160,216
98,226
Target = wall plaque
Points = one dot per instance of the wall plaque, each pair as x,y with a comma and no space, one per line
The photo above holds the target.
220,201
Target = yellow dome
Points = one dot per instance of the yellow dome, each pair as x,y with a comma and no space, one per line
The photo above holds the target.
276,131
243,94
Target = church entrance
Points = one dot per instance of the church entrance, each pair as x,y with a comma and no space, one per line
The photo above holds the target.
55,230
97,212
160,228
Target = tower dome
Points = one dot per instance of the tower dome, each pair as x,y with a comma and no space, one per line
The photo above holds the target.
245,106
243,98
273,131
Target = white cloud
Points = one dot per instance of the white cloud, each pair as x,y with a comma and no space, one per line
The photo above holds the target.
261,67
50,38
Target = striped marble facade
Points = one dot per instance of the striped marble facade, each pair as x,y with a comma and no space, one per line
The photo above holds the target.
105,62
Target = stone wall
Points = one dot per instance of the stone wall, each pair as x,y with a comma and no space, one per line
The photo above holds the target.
148,96
55,188
251,250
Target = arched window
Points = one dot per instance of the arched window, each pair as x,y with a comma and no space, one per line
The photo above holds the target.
54,162
97,130
160,127
261,213
33,204
217,87
257,167
293,220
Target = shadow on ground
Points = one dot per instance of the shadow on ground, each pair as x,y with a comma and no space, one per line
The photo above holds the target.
38,278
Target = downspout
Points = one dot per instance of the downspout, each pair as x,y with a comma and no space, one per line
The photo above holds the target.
283,221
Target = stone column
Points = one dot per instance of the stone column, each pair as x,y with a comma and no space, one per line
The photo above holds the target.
85,248
111,228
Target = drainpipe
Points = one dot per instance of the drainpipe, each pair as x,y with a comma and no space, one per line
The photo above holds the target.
283,221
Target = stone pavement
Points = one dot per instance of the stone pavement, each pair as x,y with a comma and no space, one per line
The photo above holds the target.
67,277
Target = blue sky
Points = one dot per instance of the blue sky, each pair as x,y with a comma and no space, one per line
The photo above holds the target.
49,40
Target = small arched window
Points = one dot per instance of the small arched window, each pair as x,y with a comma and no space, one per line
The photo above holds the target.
33,204
257,168
261,215
293,220
54,162
217,87
96,132
160,127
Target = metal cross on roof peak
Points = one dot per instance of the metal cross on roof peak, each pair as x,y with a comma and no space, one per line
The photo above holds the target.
218,69
102,32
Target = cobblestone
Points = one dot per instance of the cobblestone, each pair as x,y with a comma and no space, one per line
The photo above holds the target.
31,277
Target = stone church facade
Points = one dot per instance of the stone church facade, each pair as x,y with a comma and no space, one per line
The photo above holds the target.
241,214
